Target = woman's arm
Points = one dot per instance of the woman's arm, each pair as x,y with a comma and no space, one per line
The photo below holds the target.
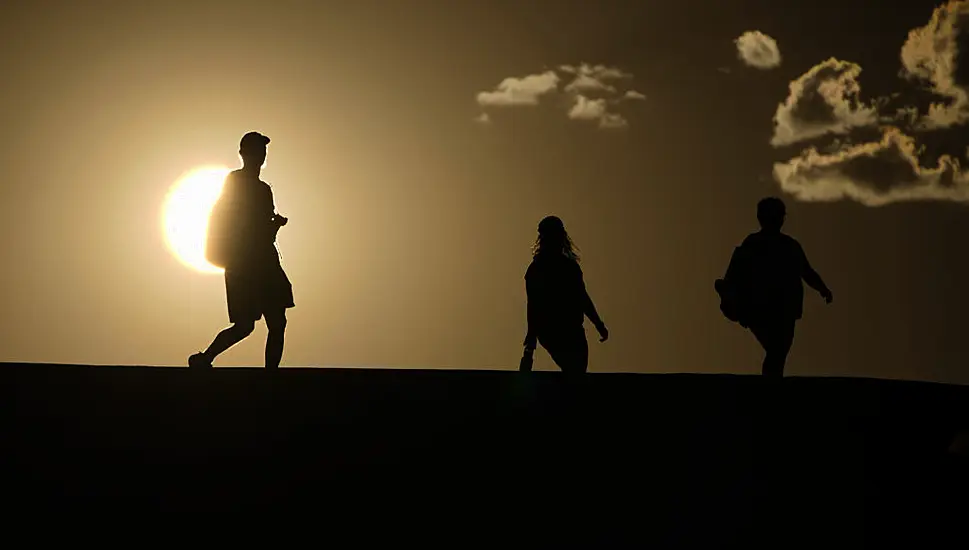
589,309
531,312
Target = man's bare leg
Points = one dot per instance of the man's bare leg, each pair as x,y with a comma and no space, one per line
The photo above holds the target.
223,341
276,325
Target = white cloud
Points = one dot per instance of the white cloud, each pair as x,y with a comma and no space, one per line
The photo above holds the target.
758,50
822,101
587,83
587,79
932,53
483,118
873,174
612,120
587,109
520,91
593,78
601,72
595,109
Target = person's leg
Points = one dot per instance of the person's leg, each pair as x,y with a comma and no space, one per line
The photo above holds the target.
242,314
574,367
784,341
223,341
569,351
762,331
580,352
776,337
553,346
276,326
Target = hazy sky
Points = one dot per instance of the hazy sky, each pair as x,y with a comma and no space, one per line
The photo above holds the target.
416,145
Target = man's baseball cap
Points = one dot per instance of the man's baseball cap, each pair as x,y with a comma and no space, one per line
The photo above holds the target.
253,141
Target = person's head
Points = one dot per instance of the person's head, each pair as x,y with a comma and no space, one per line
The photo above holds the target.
252,149
554,239
771,213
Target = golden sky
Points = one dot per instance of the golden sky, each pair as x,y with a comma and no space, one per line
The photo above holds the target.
411,216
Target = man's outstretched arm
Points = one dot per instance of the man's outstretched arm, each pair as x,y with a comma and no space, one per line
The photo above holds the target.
813,280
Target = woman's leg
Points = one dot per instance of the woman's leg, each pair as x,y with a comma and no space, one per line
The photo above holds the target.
569,350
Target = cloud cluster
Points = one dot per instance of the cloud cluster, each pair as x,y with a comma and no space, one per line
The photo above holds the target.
595,110
520,91
873,174
825,102
758,50
934,54
822,101
592,92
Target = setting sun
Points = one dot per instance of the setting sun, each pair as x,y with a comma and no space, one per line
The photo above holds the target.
185,215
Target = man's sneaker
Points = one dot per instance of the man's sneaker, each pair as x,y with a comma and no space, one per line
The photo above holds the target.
199,361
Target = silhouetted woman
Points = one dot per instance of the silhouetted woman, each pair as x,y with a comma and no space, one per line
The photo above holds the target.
557,300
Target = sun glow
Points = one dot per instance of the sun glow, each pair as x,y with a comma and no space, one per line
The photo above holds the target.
185,215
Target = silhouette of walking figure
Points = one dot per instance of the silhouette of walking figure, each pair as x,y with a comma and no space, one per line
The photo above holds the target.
242,239
558,301
762,288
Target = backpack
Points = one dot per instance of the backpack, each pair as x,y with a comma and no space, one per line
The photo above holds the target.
219,237
731,288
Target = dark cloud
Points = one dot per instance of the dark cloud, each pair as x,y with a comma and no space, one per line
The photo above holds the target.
876,165
874,173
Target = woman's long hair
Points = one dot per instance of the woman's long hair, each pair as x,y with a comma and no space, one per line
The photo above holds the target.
554,239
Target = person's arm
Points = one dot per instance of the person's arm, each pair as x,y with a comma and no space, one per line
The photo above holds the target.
277,218
270,207
812,278
268,213
589,309
531,313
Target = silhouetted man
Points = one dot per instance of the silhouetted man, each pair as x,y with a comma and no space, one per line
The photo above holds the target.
242,239
764,277
558,301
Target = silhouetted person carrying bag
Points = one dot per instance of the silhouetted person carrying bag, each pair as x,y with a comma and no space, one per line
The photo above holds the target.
242,239
558,302
762,287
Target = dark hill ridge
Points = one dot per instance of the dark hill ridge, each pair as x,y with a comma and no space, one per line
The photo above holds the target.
837,461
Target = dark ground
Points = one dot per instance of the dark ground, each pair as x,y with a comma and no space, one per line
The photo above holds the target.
691,461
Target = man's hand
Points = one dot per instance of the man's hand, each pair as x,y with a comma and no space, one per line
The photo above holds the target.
826,294
280,220
603,332
530,343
